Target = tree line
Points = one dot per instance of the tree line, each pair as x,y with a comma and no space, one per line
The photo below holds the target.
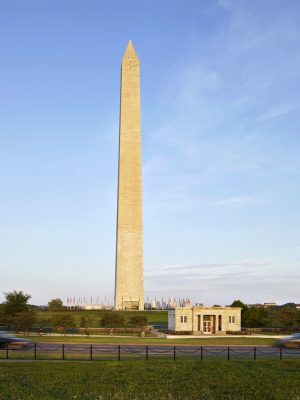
285,316
17,314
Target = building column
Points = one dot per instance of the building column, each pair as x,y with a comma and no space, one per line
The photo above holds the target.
220,322
201,322
195,321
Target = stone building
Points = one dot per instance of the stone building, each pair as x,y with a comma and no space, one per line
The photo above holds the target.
205,320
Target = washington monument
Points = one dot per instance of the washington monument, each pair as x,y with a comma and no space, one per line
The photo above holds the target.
129,283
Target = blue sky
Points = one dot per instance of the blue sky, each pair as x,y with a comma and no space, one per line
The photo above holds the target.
220,94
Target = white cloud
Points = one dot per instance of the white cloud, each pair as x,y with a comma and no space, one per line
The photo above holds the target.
239,201
222,283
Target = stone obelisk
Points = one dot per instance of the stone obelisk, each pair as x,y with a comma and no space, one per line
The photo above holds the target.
129,284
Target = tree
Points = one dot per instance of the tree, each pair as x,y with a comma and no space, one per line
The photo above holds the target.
286,316
16,312
255,317
290,305
244,307
239,303
62,321
55,305
112,319
289,317
86,322
23,321
15,302
138,320
2,315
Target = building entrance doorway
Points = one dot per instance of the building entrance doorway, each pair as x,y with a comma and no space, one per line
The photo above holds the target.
207,324
130,305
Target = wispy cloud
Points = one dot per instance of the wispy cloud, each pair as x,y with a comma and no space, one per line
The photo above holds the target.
223,282
277,112
204,271
221,115
239,201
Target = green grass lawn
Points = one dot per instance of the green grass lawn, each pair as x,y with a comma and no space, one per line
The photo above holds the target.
141,380
224,341
159,317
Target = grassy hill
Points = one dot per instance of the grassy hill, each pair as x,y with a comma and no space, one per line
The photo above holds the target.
157,317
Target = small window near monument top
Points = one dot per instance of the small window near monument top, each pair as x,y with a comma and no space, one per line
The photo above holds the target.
231,319
183,319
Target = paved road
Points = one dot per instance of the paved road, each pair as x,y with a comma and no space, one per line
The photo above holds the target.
115,352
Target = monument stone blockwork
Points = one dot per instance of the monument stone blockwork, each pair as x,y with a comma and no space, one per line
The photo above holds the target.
129,279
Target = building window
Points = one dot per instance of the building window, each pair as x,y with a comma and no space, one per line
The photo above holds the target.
183,319
232,319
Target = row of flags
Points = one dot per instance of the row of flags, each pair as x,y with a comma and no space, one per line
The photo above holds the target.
73,301
154,303
169,300
168,303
